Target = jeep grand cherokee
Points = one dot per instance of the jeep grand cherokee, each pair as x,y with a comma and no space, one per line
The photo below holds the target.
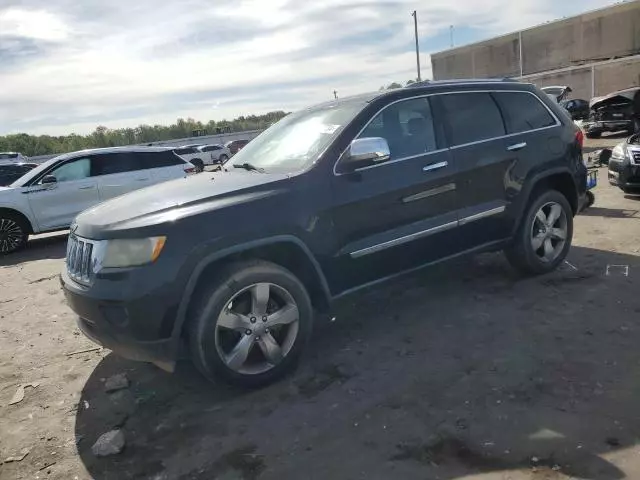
327,201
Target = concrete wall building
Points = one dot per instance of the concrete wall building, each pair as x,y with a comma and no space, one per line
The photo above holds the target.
595,53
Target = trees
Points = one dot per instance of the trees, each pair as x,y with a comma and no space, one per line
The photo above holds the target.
32,145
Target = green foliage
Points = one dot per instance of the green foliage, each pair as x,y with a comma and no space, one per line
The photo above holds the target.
32,145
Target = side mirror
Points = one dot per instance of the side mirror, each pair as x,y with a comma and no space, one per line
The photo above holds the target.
366,151
48,180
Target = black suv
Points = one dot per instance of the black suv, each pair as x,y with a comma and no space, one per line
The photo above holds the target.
327,201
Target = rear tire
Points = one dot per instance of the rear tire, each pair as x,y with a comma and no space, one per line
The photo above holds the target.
199,164
222,159
544,236
250,324
593,134
13,233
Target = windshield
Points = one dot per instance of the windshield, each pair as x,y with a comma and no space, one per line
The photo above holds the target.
8,156
298,139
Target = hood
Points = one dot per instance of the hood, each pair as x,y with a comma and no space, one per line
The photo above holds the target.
623,96
170,201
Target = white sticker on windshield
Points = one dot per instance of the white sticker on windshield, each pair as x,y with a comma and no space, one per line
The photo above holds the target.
329,129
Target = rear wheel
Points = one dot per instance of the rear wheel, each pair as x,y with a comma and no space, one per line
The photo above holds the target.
13,233
250,325
222,159
594,134
199,164
544,237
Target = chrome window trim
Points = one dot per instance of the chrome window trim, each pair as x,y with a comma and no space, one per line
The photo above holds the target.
425,233
506,135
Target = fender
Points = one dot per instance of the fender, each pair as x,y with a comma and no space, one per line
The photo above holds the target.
529,186
219,254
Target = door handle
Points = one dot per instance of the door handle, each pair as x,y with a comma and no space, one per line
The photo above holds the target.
87,187
435,166
517,146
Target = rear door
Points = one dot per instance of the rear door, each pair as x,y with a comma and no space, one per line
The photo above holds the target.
119,173
398,214
476,134
55,205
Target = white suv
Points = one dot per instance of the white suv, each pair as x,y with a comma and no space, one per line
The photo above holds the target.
50,196
12,157
214,154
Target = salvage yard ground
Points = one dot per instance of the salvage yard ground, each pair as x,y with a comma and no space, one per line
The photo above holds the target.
464,370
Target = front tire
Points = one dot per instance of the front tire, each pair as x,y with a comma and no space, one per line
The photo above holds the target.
199,164
250,324
13,233
544,237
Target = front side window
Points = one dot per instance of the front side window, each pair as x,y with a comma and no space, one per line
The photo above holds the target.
472,117
524,111
78,169
407,127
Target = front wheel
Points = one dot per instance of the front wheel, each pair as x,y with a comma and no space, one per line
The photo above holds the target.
250,325
13,233
544,236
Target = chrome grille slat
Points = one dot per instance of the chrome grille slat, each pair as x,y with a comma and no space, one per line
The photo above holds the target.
80,259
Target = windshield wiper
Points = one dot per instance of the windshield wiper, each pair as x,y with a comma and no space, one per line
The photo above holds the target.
249,167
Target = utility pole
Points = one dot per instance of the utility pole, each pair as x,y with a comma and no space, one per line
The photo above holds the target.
451,34
415,26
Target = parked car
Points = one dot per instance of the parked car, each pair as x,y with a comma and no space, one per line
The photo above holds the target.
214,154
624,165
50,196
191,154
577,108
12,157
618,111
558,92
10,172
384,183
235,146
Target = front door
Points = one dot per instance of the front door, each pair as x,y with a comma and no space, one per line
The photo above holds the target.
120,173
55,205
399,214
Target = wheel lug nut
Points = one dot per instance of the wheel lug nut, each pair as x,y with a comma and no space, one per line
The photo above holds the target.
253,319
266,330
248,332
264,318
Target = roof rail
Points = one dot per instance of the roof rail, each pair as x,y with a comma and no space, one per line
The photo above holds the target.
455,81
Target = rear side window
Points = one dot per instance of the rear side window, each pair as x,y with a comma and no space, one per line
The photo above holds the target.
185,151
8,156
111,163
523,111
159,159
472,117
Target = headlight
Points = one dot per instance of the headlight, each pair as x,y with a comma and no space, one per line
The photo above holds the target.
132,252
618,152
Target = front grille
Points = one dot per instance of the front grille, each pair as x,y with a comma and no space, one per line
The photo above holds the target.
80,259
636,157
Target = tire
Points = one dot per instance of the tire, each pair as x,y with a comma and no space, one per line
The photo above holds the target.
229,316
522,254
593,134
222,159
199,164
13,233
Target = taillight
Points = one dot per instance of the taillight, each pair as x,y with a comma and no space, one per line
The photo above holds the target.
580,138
190,170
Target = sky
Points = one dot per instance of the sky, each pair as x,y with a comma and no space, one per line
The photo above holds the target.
71,65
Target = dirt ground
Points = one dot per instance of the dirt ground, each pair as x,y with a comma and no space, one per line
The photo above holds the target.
463,371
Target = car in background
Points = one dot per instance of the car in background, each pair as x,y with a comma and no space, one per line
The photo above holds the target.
214,154
12,157
557,92
577,108
618,111
10,172
191,154
624,165
50,196
235,146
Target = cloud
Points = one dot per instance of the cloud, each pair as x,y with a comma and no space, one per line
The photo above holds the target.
70,66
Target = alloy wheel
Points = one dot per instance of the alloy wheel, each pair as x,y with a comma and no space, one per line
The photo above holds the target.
11,235
257,328
549,232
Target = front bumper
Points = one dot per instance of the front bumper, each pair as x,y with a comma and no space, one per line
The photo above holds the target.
608,125
624,175
111,323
